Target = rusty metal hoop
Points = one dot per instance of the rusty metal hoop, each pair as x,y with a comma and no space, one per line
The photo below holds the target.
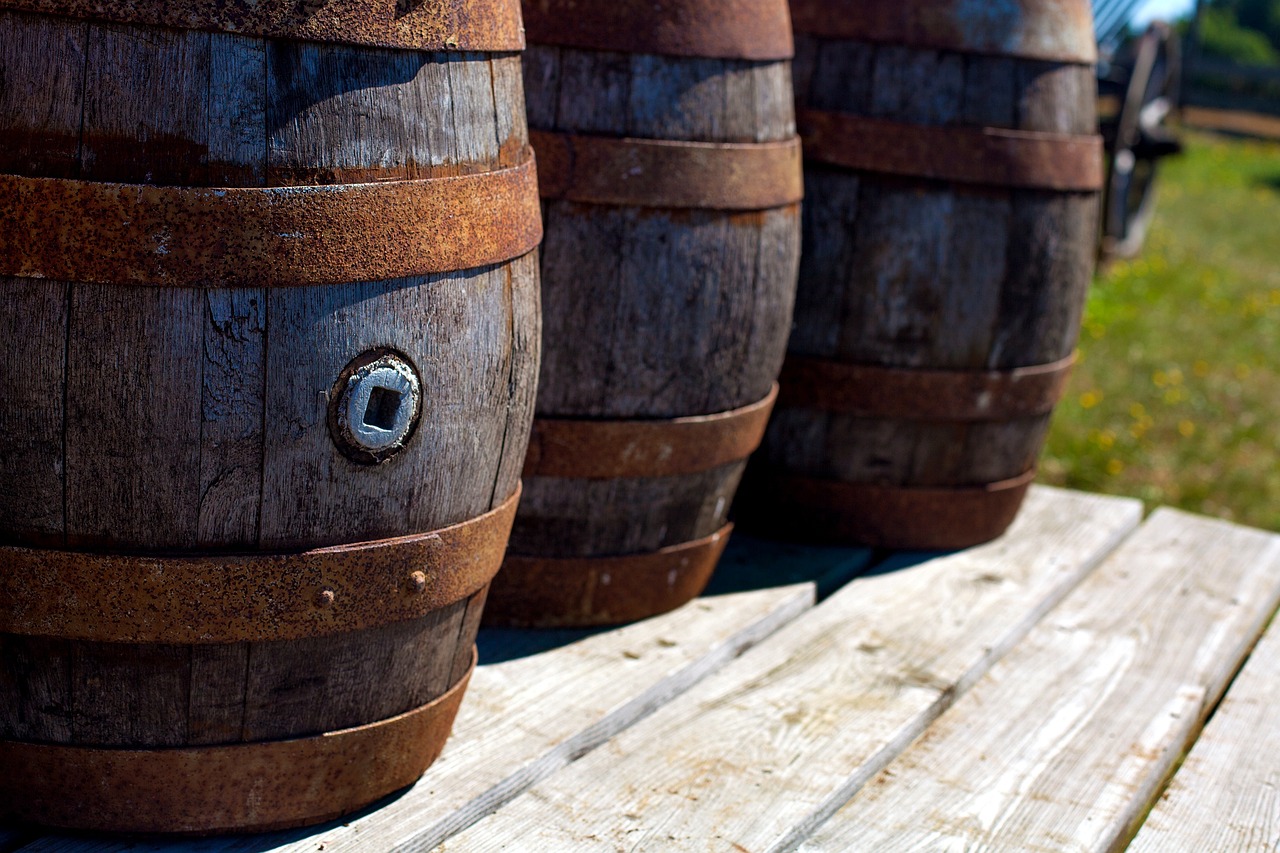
712,29
917,517
875,391
1050,30
988,156
668,174
586,591
198,599
249,787
139,234
434,25
606,449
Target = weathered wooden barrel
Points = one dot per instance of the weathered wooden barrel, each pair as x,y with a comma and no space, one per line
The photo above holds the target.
269,303
670,173
952,170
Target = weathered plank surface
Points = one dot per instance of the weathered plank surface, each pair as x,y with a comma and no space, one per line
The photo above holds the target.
1226,795
780,739
540,700
1067,741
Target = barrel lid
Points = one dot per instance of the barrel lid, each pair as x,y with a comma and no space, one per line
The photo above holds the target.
1051,30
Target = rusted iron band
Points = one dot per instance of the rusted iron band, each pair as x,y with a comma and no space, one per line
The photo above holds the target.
438,25
833,511
652,448
280,236
715,29
228,599
545,592
1053,30
667,174
872,391
990,156
252,787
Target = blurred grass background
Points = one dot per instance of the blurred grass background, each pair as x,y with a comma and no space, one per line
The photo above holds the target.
1176,399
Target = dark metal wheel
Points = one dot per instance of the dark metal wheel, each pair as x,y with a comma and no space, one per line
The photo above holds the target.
1137,136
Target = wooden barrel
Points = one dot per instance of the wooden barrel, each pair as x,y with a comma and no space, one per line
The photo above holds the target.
270,323
952,170
670,173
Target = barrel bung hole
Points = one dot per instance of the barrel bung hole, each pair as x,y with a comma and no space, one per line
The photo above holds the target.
384,403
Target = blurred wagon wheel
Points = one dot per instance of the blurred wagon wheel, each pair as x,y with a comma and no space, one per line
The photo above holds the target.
1138,137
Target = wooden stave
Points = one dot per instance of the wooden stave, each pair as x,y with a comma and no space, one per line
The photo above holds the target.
89,693
664,511
941,89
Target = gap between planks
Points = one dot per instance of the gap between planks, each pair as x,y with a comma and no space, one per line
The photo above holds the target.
756,756
552,697
1226,795
1068,741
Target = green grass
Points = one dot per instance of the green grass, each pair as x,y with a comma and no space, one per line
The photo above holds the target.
1176,399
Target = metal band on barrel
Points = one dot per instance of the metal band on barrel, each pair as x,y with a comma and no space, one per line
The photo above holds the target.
989,156
714,29
139,234
919,517
238,787
667,174
1052,30
229,599
435,25
872,391
645,448
584,591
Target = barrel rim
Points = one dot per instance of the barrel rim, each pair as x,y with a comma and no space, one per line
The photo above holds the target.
710,29
487,26
1048,30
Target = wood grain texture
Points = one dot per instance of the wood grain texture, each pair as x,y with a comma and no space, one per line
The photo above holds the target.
42,96
783,736
1097,704
1224,795
33,322
144,419
914,273
652,313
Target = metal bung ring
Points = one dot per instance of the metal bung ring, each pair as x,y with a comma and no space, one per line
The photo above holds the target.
375,406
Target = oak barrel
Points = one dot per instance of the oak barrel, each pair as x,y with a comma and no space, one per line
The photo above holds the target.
270,314
952,168
670,175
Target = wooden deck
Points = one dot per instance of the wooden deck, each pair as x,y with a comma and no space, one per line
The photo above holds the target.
1037,693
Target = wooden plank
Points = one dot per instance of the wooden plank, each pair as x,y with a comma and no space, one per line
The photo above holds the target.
784,735
542,699
1224,796
1065,744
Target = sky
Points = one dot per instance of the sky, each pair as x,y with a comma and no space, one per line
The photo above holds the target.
1165,9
